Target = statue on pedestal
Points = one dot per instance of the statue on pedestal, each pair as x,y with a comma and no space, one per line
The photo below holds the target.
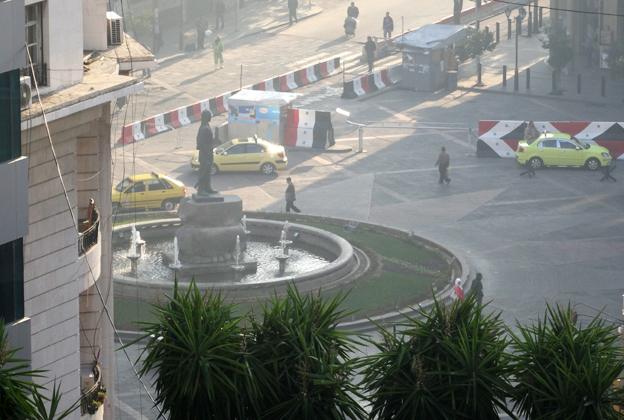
205,146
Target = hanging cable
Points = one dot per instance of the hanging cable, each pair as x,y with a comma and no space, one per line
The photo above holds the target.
561,9
76,227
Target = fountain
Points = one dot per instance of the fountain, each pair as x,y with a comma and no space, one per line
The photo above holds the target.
244,224
283,256
136,251
176,265
237,266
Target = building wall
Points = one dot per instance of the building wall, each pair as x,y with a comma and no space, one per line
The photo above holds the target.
51,282
94,24
63,41
12,35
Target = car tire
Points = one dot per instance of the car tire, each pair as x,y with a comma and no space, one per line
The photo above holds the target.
214,169
268,168
592,164
169,205
536,163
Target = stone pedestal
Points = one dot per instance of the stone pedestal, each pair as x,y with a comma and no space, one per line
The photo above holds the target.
209,229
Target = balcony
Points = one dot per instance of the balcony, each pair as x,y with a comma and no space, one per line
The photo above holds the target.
92,395
89,253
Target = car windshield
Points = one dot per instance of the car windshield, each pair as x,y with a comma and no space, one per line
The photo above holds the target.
123,185
580,143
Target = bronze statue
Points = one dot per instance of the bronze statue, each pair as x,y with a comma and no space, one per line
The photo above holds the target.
205,147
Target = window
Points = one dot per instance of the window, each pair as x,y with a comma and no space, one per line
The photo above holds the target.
549,144
138,187
11,281
156,185
10,129
236,150
254,148
566,145
34,42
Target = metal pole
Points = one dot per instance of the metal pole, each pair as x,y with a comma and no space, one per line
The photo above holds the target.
497,32
479,70
578,83
603,86
530,24
241,75
535,18
528,78
504,76
402,26
516,75
508,28
541,13
360,139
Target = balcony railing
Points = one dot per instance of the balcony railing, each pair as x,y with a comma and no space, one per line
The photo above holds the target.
92,398
89,237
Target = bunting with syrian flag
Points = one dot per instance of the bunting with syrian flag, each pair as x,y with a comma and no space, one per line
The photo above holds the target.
308,129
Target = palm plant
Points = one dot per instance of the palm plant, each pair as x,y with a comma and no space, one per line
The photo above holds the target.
448,363
307,359
196,351
565,371
20,398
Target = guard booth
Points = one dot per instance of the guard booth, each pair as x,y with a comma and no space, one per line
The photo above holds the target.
429,56
259,112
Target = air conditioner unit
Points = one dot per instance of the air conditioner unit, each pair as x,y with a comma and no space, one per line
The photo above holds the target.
25,92
115,30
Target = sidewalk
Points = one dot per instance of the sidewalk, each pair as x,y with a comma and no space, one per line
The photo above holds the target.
257,16
533,57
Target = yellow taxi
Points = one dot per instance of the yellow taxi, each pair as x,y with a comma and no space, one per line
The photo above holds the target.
148,191
561,149
251,154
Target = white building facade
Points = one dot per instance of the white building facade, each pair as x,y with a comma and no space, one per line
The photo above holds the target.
59,246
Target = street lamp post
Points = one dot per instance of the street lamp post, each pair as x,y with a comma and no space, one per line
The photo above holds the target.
516,73
508,13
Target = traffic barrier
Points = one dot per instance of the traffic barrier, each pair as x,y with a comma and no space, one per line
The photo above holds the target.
308,129
183,116
500,138
371,82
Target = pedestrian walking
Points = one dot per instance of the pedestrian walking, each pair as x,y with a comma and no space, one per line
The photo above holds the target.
370,48
220,14
290,196
443,163
292,11
528,170
458,290
607,172
353,11
217,49
201,27
530,132
388,25
476,288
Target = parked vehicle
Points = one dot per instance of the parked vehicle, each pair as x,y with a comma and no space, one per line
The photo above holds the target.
561,149
148,191
250,154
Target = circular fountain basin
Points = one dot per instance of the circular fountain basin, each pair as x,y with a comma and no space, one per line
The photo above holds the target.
317,259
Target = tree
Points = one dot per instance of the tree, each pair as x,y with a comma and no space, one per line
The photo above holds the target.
477,42
565,371
20,397
308,359
196,351
560,53
448,363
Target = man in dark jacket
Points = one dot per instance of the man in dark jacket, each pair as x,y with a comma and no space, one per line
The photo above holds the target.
292,11
353,11
290,196
388,25
370,48
205,146
443,163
